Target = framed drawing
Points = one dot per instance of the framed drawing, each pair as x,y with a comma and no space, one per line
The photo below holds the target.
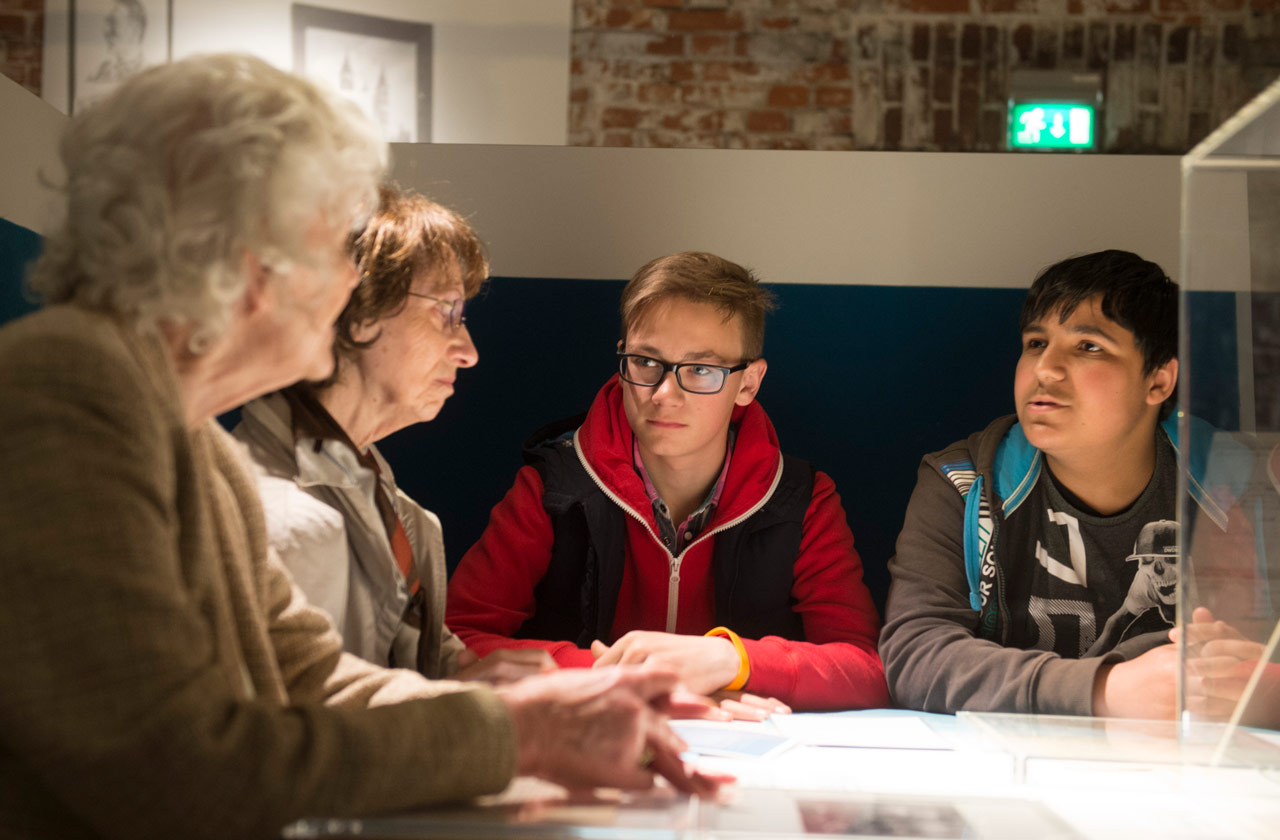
382,65
111,39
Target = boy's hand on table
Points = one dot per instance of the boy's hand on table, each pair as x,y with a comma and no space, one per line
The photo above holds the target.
1143,687
1220,661
703,663
745,706
723,705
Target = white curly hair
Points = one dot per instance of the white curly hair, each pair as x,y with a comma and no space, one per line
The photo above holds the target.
188,167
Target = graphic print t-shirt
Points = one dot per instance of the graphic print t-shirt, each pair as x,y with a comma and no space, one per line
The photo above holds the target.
1089,582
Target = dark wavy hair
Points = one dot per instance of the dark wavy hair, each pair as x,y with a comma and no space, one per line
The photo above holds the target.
1136,294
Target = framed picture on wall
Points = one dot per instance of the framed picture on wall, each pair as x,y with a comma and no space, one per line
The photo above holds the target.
112,39
382,65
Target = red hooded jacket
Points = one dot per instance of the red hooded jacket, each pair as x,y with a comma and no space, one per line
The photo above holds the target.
491,594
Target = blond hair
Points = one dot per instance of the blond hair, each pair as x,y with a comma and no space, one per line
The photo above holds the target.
702,278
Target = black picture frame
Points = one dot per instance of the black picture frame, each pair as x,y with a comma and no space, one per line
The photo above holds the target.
381,64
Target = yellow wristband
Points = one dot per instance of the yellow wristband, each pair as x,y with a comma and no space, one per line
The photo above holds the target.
744,664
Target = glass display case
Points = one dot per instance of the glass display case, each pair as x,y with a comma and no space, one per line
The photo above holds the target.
1228,562
662,815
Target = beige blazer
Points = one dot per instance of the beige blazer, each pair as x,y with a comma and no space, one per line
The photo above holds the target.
162,677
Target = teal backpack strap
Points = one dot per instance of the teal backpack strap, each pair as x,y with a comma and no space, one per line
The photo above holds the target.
973,529
968,484
979,528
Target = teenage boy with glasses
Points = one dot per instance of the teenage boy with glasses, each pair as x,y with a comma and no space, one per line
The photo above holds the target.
667,526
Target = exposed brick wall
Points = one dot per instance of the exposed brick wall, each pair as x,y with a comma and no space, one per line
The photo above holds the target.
22,41
872,74
904,74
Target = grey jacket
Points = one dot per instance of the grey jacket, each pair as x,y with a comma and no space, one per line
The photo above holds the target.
323,520
947,612
934,657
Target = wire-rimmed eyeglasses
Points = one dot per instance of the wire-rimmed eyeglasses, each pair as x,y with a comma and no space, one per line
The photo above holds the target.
452,310
694,377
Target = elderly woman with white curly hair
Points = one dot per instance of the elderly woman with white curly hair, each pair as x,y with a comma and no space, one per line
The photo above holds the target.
163,677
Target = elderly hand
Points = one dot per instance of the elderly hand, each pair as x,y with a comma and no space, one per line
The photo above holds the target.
587,728
503,666
703,663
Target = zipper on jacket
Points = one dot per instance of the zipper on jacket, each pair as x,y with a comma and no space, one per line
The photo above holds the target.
673,579
673,593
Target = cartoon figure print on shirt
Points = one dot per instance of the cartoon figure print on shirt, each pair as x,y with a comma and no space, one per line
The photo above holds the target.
1095,581
1154,585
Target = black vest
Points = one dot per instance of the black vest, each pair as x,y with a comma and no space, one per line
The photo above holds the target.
752,562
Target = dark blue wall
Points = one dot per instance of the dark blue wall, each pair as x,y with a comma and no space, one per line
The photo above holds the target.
862,381
18,248
1211,366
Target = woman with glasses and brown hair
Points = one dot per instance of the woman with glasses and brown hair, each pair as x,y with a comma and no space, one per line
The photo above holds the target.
356,545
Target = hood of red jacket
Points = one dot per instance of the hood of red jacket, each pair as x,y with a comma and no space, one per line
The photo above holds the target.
605,439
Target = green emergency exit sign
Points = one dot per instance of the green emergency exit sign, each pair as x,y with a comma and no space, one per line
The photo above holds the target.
1040,125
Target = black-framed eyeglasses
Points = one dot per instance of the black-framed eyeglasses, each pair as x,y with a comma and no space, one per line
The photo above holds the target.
452,310
694,377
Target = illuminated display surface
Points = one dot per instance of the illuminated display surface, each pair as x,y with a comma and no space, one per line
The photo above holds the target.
1040,125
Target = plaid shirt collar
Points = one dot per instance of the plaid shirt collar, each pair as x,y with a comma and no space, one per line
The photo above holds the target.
673,537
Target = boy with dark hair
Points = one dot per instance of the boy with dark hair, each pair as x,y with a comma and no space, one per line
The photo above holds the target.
667,526
1037,564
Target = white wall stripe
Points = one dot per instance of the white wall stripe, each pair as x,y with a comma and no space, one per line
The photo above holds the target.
29,133
875,218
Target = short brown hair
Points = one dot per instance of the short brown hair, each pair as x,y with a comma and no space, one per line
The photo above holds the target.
701,278
409,233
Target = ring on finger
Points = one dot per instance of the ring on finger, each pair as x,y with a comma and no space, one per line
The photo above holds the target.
646,758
